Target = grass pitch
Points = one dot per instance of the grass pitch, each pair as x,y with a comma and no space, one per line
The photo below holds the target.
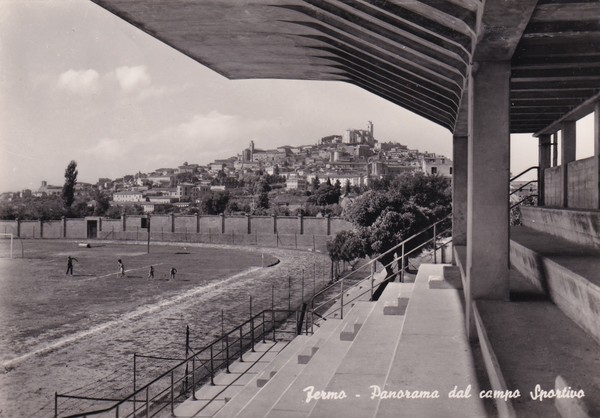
39,303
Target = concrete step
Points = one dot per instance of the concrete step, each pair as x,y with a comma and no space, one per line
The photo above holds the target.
265,398
367,361
321,367
566,272
530,343
361,292
228,384
396,307
241,398
433,354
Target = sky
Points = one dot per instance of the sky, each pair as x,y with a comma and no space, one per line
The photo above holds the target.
78,83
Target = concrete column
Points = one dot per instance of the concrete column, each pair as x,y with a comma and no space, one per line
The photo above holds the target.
274,224
197,223
172,223
63,226
488,186
460,152
597,152
248,223
544,156
222,223
555,149
328,224
567,154
99,224
301,224
41,226
18,221
124,223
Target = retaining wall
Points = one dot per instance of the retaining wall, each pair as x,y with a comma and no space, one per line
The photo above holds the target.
581,186
553,186
579,226
300,232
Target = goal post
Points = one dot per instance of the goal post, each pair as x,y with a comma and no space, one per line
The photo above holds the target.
7,236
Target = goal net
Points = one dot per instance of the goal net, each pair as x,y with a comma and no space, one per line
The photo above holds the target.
6,245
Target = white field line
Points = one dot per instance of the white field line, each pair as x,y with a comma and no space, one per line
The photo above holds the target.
141,311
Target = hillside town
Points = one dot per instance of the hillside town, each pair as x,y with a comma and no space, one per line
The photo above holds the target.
256,178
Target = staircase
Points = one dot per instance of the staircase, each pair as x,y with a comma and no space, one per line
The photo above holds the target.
411,339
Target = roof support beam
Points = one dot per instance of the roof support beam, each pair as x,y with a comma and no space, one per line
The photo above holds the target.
579,112
500,25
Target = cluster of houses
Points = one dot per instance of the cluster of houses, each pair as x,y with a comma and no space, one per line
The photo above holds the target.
354,158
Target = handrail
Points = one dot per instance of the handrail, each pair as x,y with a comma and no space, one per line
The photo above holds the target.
535,167
191,358
374,260
522,200
372,264
522,187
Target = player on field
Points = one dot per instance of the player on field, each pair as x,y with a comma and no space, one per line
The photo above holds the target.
151,273
121,269
70,265
172,273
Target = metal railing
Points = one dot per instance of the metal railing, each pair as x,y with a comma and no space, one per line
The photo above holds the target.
531,194
433,234
180,381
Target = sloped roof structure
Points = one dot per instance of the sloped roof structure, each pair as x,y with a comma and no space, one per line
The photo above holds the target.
414,53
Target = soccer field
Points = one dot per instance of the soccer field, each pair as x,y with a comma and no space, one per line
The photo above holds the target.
77,334
38,301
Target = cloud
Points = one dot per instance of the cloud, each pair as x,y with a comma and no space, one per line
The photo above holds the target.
132,78
80,82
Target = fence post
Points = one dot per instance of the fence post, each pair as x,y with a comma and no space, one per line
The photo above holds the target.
302,285
227,352
372,276
55,404
241,344
273,307
187,349
194,377
434,244
172,395
212,369
147,403
403,266
273,324
134,379
251,326
342,300
263,328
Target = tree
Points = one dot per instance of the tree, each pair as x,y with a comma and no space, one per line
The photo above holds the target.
346,246
347,187
263,201
214,203
68,191
326,194
315,183
384,218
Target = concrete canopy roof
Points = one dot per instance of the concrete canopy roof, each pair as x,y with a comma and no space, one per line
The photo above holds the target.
414,53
